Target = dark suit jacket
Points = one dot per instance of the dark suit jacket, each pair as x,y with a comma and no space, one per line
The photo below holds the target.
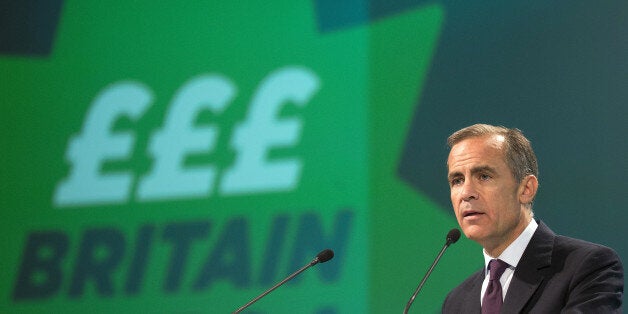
555,274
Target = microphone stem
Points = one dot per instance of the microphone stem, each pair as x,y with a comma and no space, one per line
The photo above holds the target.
405,311
312,263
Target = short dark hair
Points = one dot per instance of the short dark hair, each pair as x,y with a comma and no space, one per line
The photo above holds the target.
518,152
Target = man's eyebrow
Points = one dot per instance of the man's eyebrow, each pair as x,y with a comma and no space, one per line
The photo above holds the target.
454,174
484,168
474,170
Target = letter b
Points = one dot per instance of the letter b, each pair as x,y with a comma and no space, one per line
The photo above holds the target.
40,273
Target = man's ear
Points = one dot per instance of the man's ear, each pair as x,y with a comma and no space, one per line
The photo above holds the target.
527,189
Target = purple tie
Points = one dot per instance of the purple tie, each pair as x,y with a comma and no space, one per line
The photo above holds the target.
492,302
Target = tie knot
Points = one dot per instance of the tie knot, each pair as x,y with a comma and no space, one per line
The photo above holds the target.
497,268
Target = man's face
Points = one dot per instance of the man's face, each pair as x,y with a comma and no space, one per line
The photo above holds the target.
484,193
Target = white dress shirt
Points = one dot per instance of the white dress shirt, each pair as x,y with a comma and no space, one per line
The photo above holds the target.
511,255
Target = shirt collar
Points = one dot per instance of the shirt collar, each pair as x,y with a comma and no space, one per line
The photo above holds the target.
512,254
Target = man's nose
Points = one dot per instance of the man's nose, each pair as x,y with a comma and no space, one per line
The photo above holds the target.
468,191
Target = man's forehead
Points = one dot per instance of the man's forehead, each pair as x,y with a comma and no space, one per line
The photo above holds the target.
486,146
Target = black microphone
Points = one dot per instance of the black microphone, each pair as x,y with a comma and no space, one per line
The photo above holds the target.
452,236
321,257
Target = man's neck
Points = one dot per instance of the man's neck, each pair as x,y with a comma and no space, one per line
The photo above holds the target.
497,249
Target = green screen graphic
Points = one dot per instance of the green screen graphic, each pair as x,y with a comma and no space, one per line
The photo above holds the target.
186,158
183,158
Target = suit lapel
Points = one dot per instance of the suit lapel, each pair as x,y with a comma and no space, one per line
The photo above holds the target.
527,276
471,302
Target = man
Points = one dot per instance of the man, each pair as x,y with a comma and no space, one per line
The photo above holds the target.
492,173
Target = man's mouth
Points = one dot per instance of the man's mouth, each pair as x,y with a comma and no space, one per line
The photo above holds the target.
471,213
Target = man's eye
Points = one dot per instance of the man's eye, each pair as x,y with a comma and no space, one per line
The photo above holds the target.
484,177
456,181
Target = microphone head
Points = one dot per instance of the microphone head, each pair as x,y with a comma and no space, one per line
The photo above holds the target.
325,255
452,236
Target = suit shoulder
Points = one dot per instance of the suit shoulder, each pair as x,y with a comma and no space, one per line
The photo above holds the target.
465,287
456,300
571,246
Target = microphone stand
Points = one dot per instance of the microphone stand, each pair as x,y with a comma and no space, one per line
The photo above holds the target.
405,311
452,237
312,263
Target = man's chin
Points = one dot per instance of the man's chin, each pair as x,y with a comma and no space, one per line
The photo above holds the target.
473,232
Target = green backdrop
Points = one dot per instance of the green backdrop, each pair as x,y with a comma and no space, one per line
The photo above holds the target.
183,158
